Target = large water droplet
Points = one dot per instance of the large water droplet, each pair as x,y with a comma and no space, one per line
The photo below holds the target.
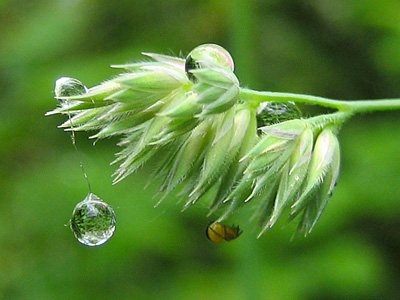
67,86
275,112
93,221
206,55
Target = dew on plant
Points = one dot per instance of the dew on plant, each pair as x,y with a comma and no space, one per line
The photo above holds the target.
207,55
93,221
274,112
196,110
66,86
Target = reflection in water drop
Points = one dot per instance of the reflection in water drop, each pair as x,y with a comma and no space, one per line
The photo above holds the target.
66,86
93,221
205,56
269,113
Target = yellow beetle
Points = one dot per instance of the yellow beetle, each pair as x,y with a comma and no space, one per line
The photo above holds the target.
217,232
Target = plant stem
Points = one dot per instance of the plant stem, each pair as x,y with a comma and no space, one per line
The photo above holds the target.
353,106
358,106
334,119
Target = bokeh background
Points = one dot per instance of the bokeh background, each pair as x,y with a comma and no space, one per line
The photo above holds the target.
346,49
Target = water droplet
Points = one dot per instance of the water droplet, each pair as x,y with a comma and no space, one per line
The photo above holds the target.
67,86
274,112
207,54
93,221
297,177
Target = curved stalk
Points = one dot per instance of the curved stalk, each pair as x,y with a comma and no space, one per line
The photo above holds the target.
353,106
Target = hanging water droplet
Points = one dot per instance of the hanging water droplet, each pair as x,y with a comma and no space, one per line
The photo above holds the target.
275,112
93,221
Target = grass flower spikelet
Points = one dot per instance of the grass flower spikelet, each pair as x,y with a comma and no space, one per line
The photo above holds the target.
213,138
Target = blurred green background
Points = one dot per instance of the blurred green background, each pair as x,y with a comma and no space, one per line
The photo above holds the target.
346,49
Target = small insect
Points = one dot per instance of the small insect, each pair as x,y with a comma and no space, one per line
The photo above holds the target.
217,232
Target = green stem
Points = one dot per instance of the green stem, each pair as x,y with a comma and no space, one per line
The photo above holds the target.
333,119
358,106
353,106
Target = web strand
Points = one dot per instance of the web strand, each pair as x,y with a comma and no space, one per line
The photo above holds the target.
73,139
